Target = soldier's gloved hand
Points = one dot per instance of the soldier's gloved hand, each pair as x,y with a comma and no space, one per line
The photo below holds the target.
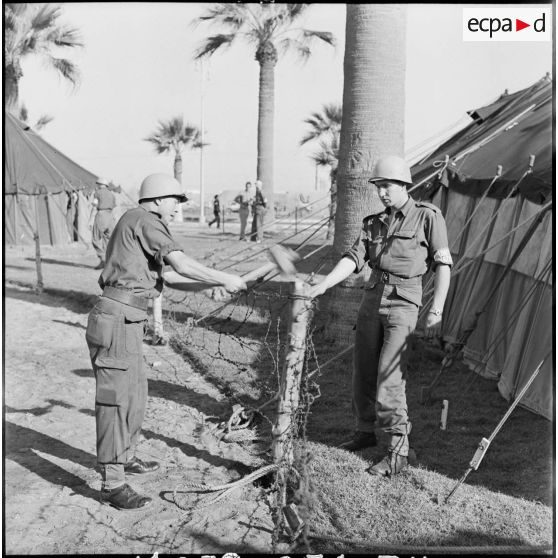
433,325
234,284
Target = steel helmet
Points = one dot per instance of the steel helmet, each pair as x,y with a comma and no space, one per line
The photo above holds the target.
392,167
161,185
103,181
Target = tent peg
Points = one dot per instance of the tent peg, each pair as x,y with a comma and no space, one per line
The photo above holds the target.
531,162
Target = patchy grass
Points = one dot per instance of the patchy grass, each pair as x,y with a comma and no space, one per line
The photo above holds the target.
505,503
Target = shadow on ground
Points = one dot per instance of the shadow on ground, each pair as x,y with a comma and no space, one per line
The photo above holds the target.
22,444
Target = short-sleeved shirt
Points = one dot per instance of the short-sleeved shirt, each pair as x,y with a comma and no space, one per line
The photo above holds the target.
105,198
135,253
406,244
244,199
259,200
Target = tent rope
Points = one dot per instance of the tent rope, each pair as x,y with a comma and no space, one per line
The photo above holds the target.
511,321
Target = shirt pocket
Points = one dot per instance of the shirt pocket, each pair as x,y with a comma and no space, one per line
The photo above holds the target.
404,244
112,381
375,245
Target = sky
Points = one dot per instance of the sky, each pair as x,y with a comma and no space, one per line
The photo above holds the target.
137,68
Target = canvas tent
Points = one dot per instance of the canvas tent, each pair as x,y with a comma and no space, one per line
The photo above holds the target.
493,181
42,186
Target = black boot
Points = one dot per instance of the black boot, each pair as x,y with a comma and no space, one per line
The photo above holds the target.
392,464
360,440
125,498
138,467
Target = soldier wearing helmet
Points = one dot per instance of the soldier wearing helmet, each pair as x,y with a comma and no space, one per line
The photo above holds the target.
103,224
399,243
138,248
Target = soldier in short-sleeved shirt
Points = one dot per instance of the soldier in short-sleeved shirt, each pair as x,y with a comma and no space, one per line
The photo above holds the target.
138,248
407,245
400,244
104,202
136,252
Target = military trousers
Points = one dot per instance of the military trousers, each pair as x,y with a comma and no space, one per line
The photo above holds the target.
115,339
258,223
385,322
103,225
243,214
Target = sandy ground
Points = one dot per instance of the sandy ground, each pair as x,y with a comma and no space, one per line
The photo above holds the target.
51,482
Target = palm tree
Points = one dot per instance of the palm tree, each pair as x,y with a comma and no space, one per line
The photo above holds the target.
270,29
41,122
35,30
372,126
325,126
172,136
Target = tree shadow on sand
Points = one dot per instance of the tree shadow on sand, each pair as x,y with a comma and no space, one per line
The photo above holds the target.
63,262
77,302
22,444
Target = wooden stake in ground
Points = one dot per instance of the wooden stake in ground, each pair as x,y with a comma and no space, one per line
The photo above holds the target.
284,427
291,372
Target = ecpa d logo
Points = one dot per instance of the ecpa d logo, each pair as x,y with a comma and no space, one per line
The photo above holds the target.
508,23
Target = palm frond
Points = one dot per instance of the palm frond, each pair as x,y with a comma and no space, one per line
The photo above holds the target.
160,146
324,36
23,113
327,122
233,16
44,17
65,37
328,155
173,134
213,43
295,10
43,121
66,68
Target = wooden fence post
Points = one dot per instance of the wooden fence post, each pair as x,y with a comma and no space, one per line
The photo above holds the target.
291,372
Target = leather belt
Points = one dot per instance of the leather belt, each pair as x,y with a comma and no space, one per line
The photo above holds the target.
126,297
381,276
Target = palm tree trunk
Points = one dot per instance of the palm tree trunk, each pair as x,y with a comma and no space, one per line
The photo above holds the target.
11,91
372,126
179,218
267,58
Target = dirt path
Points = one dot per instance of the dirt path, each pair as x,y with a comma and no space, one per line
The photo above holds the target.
51,485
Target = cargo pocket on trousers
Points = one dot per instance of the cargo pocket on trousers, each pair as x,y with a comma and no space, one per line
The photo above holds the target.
112,381
100,327
410,293
133,331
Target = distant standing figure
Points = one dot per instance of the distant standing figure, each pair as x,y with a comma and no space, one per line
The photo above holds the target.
103,224
244,200
259,209
71,213
216,211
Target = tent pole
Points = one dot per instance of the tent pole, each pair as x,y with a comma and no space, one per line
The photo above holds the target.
36,236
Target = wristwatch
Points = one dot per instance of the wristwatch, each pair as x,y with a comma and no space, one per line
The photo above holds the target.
435,311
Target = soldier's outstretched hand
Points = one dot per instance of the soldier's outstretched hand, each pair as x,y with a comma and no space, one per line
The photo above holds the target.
234,283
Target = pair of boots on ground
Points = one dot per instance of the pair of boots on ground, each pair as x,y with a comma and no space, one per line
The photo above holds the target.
396,460
124,497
